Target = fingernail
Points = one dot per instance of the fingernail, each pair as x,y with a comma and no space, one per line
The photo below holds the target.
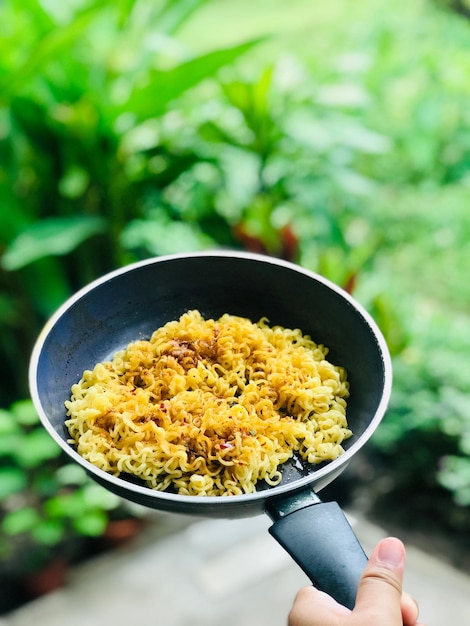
391,551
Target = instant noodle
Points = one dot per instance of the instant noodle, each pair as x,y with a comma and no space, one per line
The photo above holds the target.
210,407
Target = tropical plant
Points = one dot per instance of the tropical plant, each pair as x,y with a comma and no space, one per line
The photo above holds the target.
87,93
47,506
347,152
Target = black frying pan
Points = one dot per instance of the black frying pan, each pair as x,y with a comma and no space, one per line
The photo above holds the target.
132,302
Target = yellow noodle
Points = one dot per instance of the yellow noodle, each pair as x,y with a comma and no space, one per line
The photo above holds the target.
210,407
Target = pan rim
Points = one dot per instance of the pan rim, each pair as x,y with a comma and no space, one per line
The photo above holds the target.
208,501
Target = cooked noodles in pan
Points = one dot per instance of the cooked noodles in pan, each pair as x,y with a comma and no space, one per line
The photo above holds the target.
210,407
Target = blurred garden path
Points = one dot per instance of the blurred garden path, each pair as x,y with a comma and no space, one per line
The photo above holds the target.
186,572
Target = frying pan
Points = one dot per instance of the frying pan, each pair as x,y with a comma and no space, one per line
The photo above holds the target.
130,303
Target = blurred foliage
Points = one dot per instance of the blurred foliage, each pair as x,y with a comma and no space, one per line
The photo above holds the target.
347,152
424,260
46,505
88,144
462,7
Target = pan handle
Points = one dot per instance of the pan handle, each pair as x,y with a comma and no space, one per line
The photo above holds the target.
319,538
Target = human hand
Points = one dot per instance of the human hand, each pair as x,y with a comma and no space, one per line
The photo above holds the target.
380,598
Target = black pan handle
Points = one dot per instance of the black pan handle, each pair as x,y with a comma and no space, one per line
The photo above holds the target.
320,539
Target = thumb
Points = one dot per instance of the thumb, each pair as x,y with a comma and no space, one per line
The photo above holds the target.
380,588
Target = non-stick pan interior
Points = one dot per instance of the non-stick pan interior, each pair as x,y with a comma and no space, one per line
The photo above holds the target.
130,304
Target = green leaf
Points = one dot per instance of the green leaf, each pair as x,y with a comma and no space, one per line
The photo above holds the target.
96,496
164,236
455,476
9,443
59,505
46,295
49,532
176,14
20,521
51,236
8,424
69,505
166,85
92,523
71,474
124,8
12,480
74,182
48,46
24,412
36,448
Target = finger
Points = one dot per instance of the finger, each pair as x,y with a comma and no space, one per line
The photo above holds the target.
312,606
409,610
380,588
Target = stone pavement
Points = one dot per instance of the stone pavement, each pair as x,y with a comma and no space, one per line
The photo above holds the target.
190,572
